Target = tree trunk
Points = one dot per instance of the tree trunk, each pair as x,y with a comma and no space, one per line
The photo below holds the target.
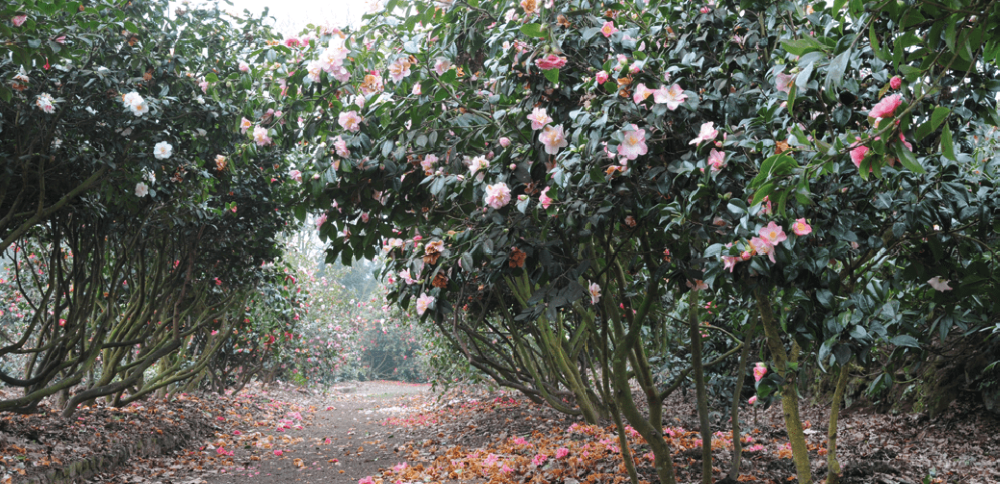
831,437
734,471
699,380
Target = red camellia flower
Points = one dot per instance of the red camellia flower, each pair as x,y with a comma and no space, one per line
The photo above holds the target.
551,61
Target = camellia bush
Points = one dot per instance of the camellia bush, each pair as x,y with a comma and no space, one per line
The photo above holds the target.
139,205
552,182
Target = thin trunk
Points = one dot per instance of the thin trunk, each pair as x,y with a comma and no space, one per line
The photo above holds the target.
831,437
699,381
734,471
789,393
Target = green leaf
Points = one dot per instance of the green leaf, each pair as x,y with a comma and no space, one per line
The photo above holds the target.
947,146
533,30
905,340
802,46
835,73
211,77
552,75
907,158
939,115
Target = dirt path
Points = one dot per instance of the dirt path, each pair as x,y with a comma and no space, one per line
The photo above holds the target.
342,442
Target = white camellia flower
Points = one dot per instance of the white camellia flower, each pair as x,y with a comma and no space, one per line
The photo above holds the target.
939,284
141,190
162,150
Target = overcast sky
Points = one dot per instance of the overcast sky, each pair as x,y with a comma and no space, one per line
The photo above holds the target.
292,15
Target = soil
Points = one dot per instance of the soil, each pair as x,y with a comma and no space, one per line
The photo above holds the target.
365,432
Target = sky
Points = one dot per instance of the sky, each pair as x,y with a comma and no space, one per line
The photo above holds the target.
292,15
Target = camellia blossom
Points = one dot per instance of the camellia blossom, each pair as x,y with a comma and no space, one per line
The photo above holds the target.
602,77
296,175
544,198
633,143
800,227
716,159
428,163
46,103
895,82
350,121
162,150
245,124
553,139
141,190
550,61
641,93
505,141
759,370
423,303
858,154
405,276
340,145
608,29
260,136
18,20
772,233
762,247
939,284
707,133
244,67
478,163
399,69
321,220
538,118
595,292
672,96
783,82
753,400
442,65
561,452
886,107
497,195
539,460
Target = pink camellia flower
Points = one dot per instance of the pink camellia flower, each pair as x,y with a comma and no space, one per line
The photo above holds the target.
260,136
561,452
278,453
595,292
939,284
491,460
773,234
672,96
601,77
729,262
245,124
244,67
296,175
553,139
505,141
858,154
340,145
366,480
423,303
705,10
399,467
550,61
292,42
640,93
544,199
783,82
753,400
538,118
442,65
498,195
905,143
895,82
19,20
762,247
608,29
633,143
759,371
204,86
800,227
707,133
539,460
886,107
321,220
350,121
716,159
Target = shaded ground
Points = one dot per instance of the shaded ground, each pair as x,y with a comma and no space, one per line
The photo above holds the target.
390,432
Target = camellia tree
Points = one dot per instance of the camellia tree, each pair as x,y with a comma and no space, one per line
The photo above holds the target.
580,169
149,200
